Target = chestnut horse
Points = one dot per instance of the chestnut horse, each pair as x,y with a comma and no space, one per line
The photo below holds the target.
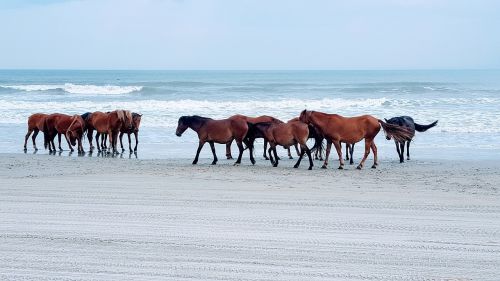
216,131
136,122
35,125
75,132
108,123
56,124
284,134
337,129
253,120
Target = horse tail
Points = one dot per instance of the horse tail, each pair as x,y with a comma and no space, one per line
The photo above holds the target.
423,128
250,136
318,144
46,134
399,133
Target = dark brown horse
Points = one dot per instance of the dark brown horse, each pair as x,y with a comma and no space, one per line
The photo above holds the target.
136,122
216,131
284,134
407,122
337,129
35,125
253,120
108,123
56,124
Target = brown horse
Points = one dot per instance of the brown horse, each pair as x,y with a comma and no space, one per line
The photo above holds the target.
108,123
56,124
284,134
216,131
337,129
75,132
253,120
35,125
136,122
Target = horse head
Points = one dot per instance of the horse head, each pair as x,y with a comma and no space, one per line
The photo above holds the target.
72,132
304,116
136,121
182,125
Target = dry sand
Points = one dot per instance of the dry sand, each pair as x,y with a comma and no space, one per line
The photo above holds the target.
65,218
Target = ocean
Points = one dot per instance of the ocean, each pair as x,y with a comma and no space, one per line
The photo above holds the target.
466,103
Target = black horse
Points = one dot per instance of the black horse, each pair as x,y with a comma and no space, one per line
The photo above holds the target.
407,122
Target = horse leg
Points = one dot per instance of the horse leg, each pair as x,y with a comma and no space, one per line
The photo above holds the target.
59,140
200,146
250,149
228,150
275,156
328,148
368,144
402,155
270,155
308,151
347,148
240,154
212,146
397,149
375,155
129,143
33,138
111,143
351,152
90,132
26,139
80,146
408,150
121,141
302,151
69,144
338,147
136,134
97,134
289,153
265,149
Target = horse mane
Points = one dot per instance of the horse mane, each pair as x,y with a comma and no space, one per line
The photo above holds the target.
123,115
194,119
86,115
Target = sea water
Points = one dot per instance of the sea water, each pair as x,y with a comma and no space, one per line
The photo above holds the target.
466,103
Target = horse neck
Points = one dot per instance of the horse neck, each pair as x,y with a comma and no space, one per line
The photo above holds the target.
195,124
317,119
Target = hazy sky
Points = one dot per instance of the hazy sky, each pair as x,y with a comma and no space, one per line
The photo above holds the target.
249,34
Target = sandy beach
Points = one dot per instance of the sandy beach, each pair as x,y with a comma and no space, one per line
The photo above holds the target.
81,218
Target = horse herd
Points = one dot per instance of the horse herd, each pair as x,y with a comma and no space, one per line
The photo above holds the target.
74,127
333,128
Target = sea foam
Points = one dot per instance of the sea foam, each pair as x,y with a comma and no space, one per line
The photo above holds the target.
78,89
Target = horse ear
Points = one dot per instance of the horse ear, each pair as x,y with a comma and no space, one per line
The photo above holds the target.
386,120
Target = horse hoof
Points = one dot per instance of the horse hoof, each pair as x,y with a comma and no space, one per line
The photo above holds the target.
401,161
290,157
323,167
236,164
296,166
408,158
267,158
341,167
253,162
351,163
359,167
194,163
213,163
374,167
310,168
275,165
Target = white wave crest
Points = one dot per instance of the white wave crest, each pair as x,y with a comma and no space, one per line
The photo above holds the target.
78,89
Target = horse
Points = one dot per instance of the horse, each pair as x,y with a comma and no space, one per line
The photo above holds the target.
337,129
253,120
407,122
313,134
56,124
136,122
75,132
284,134
349,150
35,125
216,131
108,123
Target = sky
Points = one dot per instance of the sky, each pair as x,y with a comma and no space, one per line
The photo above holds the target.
249,34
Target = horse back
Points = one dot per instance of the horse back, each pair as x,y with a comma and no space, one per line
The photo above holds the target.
36,121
